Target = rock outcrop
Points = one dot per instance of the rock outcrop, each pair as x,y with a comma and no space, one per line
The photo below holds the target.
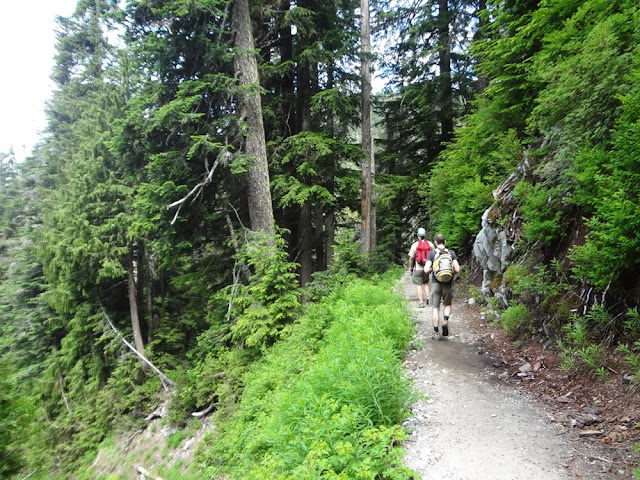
493,246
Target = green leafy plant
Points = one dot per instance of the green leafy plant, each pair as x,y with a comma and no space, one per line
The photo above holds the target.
476,295
567,357
272,298
175,439
631,324
632,357
516,319
514,274
592,357
541,215
579,349
336,409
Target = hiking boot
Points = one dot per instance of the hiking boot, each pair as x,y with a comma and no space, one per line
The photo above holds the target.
445,330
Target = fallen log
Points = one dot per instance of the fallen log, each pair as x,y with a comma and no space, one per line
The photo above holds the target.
204,412
146,474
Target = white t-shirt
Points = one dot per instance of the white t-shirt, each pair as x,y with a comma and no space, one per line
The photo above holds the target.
412,254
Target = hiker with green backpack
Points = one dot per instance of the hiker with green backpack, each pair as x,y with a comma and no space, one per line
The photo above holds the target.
443,264
418,254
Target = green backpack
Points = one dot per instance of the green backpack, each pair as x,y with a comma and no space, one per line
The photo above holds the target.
443,265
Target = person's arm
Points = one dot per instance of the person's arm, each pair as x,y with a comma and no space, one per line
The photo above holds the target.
412,257
427,266
456,266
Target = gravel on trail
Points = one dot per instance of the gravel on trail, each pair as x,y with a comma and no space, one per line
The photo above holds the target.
467,423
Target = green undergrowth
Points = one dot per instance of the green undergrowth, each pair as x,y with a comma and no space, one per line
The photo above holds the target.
328,400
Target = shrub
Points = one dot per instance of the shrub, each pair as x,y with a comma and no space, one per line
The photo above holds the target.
514,274
579,348
326,400
631,352
541,215
516,318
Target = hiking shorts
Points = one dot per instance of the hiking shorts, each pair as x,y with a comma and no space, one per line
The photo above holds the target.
441,292
418,277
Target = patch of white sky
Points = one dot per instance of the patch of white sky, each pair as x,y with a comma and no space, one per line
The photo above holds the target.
27,50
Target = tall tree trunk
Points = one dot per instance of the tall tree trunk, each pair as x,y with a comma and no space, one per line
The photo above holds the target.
318,238
305,237
306,244
446,92
330,218
305,240
133,305
148,292
250,109
368,206
482,22
330,235
287,82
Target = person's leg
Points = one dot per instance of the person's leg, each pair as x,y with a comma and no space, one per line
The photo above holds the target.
418,279
446,311
435,304
427,289
435,317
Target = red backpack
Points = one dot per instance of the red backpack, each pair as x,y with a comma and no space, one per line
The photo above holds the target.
422,251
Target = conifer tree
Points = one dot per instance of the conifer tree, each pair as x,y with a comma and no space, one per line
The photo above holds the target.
368,200
310,109
250,110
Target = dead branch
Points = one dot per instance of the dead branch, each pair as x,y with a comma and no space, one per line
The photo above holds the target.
163,378
236,281
195,190
245,270
225,15
146,474
604,294
62,392
204,412
157,413
584,454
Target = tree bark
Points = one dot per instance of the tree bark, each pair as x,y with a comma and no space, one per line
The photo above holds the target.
330,219
483,81
305,92
133,307
148,292
306,244
368,206
446,92
250,110
287,82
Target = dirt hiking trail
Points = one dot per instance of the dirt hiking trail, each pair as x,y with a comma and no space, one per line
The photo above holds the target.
470,424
